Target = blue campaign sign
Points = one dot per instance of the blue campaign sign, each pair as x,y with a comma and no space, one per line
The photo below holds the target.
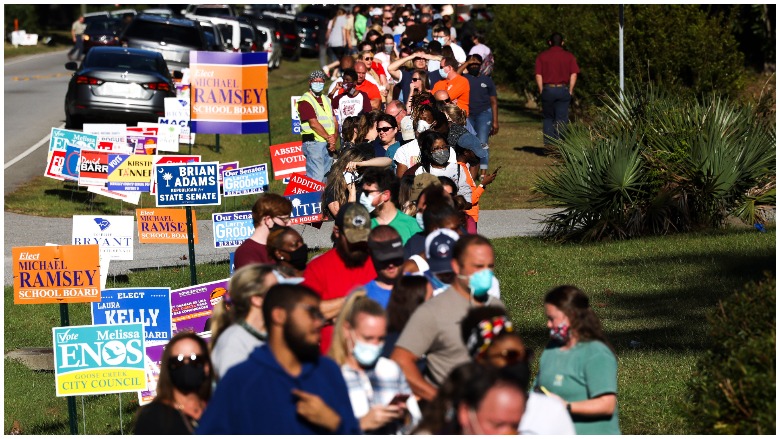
232,228
245,181
148,306
307,207
296,126
187,184
70,170
232,262
95,360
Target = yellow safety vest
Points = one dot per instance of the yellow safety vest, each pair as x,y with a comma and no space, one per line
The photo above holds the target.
324,114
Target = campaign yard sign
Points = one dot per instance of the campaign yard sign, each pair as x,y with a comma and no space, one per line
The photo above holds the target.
232,228
287,158
142,139
191,307
99,359
60,139
148,306
56,274
307,208
164,226
245,181
188,184
296,119
153,361
229,92
70,170
301,184
114,133
132,197
178,109
113,234
168,159
130,172
93,169
185,136
226,166
54,164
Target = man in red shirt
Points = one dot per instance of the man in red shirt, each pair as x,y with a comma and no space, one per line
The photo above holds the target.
556,74
366,86
456,86
346,266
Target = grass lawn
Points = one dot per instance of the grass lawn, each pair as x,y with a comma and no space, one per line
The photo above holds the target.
517,149
651,295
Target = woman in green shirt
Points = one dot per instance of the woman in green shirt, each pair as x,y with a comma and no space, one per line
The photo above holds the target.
578,365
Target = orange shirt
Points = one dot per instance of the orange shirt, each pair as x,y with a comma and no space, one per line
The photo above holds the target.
371,90
458,88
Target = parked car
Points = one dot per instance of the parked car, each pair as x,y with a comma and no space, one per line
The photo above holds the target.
214,37
118,83
163,12
267,42
286,33
174,38
311,29
102,31
210,11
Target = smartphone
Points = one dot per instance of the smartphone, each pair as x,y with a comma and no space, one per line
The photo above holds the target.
496,171
399,398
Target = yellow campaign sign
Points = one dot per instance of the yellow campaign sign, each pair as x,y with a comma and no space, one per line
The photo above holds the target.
105,381
56,274
130,172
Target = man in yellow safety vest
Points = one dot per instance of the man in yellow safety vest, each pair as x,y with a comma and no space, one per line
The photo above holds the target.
318,128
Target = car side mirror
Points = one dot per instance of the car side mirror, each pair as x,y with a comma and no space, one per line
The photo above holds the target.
72,65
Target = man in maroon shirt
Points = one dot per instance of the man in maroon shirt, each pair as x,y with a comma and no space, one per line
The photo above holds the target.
270,210
556,74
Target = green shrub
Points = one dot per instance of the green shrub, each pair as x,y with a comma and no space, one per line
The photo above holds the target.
733,388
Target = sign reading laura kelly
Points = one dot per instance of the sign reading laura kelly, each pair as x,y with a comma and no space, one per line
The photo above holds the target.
114,235
287,158
148,306
307,208
245,181
188,184
164,226
56,274
192,307
232,228
95,360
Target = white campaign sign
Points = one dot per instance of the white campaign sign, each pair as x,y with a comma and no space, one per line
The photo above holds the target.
112,233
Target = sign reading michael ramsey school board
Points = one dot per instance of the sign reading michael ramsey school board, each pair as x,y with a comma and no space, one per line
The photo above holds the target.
56,274
148,306
100,359
188,184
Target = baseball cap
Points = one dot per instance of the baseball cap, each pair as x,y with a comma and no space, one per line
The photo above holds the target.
354,222
421,182
439,246
407,128
386,250
375,11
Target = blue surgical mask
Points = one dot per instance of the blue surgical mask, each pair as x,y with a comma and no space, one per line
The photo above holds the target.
442,73
367,201
419,219
442,40
365,353
479,284
317,87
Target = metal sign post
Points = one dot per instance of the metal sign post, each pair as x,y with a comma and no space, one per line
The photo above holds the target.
191,245
72,415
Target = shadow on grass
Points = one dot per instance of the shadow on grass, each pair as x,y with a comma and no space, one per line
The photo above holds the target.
518,107
536,150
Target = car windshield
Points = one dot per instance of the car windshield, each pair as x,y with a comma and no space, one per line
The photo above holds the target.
102,25
127,61
262,36
246,34
148,30
212,12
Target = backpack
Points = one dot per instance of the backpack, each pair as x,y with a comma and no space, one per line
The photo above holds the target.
487,65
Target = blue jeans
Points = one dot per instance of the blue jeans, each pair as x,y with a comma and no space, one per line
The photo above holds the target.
482,123
555,110
318,161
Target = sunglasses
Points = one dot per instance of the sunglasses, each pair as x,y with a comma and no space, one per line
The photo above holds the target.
181,359
392,262
368,59
415,79
510,355
384,129
313,310
448,101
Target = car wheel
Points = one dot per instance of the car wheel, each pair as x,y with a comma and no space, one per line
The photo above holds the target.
73,122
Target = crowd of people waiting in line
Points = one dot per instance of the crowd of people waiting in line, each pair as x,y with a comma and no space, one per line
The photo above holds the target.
399,328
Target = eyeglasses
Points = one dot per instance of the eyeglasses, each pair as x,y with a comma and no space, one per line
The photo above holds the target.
367,192
181,359
510,355
285,219
313,310
396,114
368,59
384,129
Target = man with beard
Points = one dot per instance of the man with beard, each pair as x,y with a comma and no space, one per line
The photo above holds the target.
285,387
347,265
387,252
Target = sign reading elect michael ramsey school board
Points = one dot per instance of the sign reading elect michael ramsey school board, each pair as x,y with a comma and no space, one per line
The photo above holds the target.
56,274
99,359
187,184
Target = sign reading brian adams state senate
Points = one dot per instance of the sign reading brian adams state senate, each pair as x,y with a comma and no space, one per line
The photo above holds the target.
187,184
229,92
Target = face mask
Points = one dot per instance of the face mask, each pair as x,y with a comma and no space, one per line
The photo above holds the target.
473,71
560,334
188,377
422,126
419,219
365,353
317,87
442,40
388,49
440,156
367,201
442,73
299,257
479,284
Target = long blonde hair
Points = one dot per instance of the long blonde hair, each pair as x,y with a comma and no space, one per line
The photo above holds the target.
357,302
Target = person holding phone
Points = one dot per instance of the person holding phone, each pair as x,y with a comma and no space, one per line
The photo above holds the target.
380,395
578,366
466,158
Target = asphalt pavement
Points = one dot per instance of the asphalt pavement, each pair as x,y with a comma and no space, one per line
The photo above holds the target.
24,230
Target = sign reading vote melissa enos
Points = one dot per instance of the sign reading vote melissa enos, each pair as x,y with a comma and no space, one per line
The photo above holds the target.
229,92
113,234
164,226
187,184
149,306
95,360
60,139
56,274
287,158
232,228
191,307
245,181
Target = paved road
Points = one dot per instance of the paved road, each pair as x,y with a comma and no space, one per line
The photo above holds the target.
22,230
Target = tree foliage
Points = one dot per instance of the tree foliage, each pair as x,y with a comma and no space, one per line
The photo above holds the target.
27,16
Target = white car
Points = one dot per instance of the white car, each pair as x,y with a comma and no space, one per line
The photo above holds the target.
267,42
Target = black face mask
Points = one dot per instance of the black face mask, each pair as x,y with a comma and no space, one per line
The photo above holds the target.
299,257
188,377
473,71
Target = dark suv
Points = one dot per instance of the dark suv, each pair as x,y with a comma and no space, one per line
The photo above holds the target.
174,38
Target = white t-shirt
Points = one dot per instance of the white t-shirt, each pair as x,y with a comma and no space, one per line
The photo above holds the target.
460,54
336,26
409,154
233,347
545,416
454,172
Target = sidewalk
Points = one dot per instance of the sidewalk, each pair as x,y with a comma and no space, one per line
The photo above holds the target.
23,230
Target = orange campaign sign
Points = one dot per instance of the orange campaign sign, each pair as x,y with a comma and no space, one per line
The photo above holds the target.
56,274
229,92
164,226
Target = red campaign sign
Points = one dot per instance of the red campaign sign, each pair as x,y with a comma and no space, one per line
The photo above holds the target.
286,159
301,184
93,169
54,167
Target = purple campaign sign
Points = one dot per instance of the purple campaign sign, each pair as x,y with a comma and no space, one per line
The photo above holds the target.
191,307
152,366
